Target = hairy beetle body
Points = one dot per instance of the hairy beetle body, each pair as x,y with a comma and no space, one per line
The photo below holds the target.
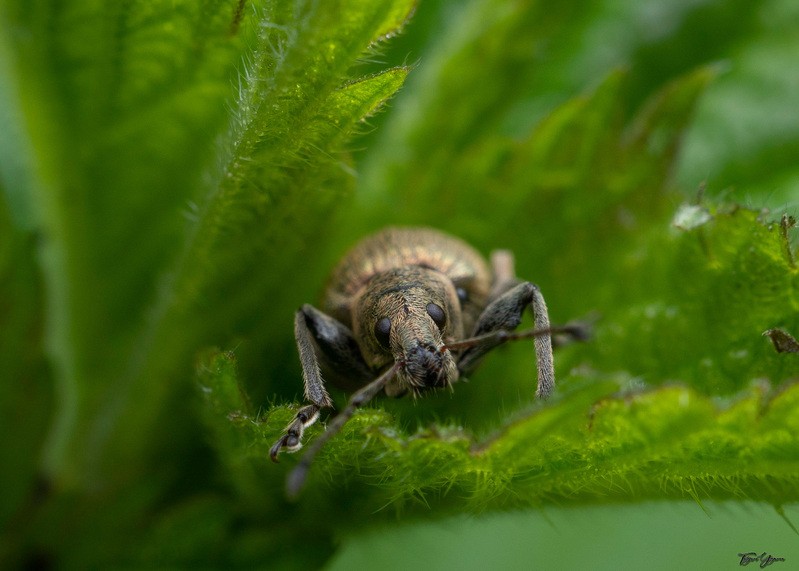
408,310
399,272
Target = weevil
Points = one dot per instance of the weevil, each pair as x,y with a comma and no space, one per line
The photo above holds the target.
406,311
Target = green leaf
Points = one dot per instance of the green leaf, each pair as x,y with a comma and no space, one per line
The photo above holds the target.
697,311
140,91
101,96
591,445
25,399
606,176
752,155
179,174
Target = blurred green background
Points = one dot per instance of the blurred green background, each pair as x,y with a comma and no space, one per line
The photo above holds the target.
177,175
651,536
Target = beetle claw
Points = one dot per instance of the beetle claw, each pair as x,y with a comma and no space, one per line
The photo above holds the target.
277,447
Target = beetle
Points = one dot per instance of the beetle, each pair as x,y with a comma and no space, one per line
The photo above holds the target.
409,310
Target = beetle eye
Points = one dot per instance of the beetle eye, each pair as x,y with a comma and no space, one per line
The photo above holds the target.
463,295
383,332
438,315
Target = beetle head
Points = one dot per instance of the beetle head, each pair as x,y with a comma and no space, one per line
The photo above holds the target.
406,315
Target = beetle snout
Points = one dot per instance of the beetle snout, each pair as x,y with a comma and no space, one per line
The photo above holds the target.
426,365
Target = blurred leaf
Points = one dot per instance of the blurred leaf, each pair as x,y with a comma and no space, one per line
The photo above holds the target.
127,118
25,395
746,136
108,101
120,264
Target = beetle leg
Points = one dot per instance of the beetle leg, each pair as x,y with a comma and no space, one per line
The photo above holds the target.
296,478
323,343
291,441
503,269
504,314
338,354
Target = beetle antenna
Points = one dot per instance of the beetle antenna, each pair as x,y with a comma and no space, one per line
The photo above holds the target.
296,478
576,331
